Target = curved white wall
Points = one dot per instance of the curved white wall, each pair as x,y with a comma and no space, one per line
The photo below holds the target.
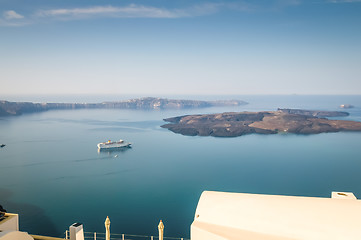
221,215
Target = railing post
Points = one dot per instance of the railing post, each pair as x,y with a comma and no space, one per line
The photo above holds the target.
151,237
161,230
66,234
122,236
107,228
95,236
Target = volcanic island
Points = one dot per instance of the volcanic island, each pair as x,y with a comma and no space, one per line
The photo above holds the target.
233,124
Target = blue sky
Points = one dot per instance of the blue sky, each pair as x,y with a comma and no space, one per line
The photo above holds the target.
180,47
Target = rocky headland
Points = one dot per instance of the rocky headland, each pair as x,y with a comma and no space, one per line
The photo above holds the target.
233,124
17,108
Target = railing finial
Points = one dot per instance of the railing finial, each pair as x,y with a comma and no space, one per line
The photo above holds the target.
107,228
161,230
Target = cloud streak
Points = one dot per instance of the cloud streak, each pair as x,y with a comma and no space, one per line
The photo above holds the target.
130,11
11,14
12,18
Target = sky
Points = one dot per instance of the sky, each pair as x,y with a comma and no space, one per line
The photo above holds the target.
199,47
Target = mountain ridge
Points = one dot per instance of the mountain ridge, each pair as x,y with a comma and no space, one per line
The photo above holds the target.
8,108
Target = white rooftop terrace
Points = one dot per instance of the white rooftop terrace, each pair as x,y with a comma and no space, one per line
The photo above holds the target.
233,216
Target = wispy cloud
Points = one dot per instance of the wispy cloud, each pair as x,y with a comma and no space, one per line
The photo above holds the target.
141,11
11,14
12,19
130,11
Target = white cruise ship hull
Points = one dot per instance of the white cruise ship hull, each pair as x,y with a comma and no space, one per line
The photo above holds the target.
110,145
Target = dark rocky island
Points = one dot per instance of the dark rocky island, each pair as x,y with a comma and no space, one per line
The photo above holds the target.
18,108
235,124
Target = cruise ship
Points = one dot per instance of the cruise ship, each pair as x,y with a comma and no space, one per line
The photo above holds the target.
109,144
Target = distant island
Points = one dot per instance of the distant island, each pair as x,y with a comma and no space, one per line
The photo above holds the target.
148,103
233,124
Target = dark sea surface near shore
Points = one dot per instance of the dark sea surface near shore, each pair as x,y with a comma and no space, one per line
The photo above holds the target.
52,174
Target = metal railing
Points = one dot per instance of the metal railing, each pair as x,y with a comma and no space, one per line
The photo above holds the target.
115,236
122,236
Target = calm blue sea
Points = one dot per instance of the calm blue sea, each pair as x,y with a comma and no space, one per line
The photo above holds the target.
52,174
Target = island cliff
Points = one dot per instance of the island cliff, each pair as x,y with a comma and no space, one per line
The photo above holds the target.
269,122
148,103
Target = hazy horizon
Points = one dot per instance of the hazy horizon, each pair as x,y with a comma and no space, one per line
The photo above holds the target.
249,98
160,47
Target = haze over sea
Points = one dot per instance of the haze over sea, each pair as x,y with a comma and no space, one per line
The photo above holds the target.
52,174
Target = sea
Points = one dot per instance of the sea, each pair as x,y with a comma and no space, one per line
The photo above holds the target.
52,174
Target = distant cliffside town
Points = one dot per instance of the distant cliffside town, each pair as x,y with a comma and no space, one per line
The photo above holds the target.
18,108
